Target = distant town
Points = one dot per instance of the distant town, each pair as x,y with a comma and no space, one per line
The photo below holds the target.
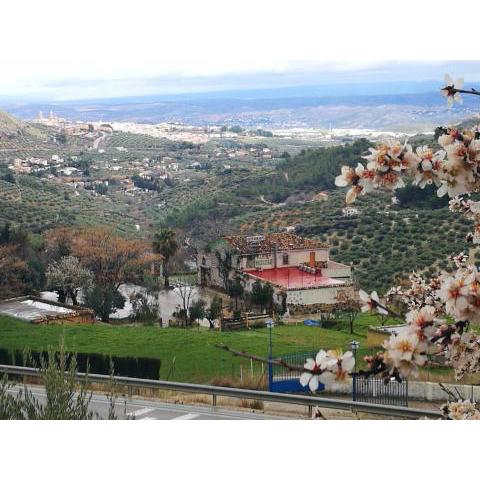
119,166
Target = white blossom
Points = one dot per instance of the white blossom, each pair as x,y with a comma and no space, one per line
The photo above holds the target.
317,371
428,167
328,366
461,410
405,352
447,90
371,303
423,322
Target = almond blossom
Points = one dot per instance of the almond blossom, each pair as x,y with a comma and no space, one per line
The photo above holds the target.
447,138
360,179
317,373
449,90
428,166
464,353
405,352
423,322
347,177
341,364
461,410
454,291
454,170
371,303
389,160
328,366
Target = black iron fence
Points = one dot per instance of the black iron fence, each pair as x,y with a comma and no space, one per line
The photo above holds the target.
375,390
282,379
364,389
298,359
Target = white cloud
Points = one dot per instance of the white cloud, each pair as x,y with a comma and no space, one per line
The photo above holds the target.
55,40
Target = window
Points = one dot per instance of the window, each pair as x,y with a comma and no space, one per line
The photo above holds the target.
285,259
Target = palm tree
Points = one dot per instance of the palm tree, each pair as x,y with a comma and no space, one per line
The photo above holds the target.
165,243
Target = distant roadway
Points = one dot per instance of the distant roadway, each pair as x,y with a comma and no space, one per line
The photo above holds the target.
96,142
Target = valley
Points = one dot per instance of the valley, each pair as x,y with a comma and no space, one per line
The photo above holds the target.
212,181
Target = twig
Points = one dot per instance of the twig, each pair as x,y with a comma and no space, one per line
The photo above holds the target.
460,396
318,415
451,396
387,309
294,368
280,363
452,90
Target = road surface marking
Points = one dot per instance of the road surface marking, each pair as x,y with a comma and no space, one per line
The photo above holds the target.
142,411
148,418
188,416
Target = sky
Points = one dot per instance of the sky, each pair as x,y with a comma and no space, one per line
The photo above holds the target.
92,49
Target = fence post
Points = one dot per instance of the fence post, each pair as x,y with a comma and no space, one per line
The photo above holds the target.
270,377
214,400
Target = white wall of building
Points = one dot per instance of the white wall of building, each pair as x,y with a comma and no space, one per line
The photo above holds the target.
312,296
295,258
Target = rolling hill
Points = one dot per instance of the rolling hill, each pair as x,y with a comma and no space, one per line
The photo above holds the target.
11,128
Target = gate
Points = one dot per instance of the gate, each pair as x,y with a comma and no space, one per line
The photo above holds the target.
374,390
364,389
282,380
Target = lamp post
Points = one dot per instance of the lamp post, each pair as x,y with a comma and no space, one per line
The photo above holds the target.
270,324
354,345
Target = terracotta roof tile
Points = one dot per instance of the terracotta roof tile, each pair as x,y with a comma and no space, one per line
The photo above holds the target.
266,243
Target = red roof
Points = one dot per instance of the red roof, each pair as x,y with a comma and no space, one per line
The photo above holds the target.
293,278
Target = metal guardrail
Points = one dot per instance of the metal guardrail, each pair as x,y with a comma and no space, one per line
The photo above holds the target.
215,391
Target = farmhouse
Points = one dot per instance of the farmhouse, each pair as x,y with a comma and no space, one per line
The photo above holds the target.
299,269
350,211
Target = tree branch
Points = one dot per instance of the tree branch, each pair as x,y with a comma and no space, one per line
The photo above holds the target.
387,309
280,363
452,90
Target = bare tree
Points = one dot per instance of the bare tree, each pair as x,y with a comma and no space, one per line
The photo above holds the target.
185,289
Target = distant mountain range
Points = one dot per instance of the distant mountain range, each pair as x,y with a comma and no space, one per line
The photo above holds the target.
394,105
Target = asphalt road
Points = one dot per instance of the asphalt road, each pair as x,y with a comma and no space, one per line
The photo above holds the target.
140,409
96,142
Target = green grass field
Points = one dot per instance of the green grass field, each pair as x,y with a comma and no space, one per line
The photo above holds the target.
194,351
